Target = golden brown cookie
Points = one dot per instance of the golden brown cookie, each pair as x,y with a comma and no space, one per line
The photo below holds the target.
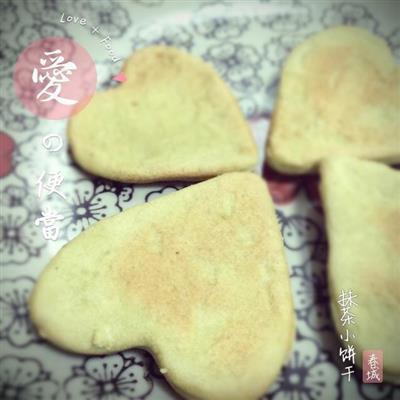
173,119
198,277
339,95
362,205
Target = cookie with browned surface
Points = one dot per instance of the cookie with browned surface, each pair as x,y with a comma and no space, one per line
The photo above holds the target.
362,206
198,277
339,95
173,119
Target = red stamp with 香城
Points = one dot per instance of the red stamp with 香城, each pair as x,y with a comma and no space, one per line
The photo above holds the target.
372,366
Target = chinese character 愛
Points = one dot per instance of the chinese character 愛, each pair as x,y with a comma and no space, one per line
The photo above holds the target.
53,75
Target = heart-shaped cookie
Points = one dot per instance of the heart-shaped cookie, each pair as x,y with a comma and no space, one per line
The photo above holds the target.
197,277
339,94
362,206
172,119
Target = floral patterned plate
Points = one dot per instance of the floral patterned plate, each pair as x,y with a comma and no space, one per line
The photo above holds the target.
247,42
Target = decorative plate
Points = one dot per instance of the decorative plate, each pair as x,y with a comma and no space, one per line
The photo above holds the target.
247,42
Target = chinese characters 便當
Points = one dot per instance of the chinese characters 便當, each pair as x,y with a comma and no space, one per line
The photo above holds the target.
49,183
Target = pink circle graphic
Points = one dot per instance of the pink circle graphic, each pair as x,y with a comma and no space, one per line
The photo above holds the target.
55,78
